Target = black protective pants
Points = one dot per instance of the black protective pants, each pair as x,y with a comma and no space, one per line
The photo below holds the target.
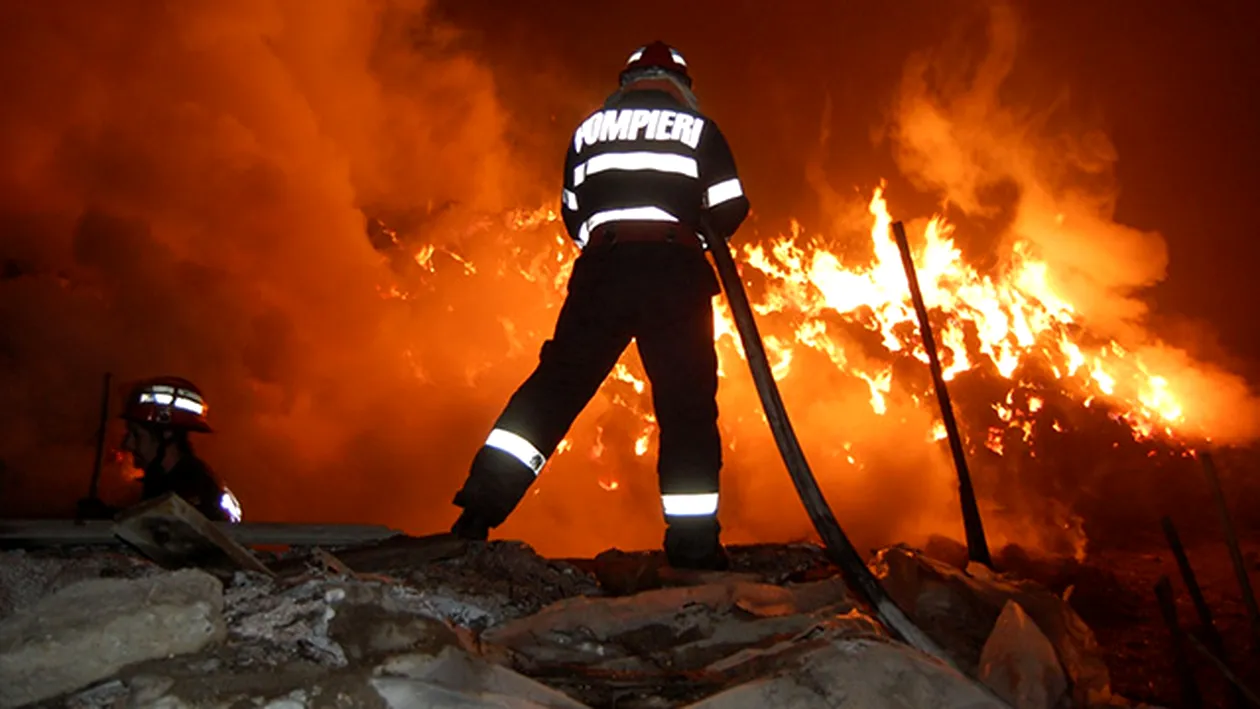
659,294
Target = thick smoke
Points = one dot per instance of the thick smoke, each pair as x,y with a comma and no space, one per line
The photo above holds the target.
185,189
1044,179
182,188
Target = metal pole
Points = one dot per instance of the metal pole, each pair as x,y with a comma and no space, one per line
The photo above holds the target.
100,437
1246,692
977,545
1191,697
1231,540
1208,628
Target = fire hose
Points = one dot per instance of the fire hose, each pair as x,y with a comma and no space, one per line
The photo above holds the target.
836,544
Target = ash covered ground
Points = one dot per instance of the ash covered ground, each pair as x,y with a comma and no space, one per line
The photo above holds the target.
440,620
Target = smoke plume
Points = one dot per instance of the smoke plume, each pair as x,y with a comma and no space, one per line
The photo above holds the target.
192,188
182,188
1044,180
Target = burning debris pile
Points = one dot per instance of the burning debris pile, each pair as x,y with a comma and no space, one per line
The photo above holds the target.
1054,415
413,622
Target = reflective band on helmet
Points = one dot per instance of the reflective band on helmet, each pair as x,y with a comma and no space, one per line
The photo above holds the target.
641,160
629,214
723,191
517,447
697,505
570,200
229,504
179,402
188,405
677,57
638,54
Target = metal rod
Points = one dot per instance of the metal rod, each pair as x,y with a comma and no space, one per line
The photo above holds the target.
1246,692
102,425
1191,697
973,525
1231,540
1208,628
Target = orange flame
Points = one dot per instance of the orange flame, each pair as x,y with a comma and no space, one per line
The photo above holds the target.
1015,319
818,304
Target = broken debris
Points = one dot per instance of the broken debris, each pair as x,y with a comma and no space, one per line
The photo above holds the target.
1019,663
857,674
174,534
92,629
441,622
959,609
679,629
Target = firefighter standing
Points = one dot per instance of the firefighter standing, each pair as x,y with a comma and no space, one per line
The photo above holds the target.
640,177
160,413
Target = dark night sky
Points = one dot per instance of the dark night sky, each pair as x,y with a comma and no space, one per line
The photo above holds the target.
1175,85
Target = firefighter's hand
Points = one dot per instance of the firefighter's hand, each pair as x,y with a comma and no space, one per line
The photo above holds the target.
92,508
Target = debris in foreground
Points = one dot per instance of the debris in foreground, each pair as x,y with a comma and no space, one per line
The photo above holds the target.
412,623
173,533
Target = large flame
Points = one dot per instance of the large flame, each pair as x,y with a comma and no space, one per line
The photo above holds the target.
203,215
827,316
1012,322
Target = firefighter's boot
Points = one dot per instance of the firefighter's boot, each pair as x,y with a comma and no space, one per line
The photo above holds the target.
471,526
695,543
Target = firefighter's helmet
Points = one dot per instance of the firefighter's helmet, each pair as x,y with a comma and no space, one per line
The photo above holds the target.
656,55
168,402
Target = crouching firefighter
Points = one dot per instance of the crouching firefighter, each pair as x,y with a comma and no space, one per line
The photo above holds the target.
640,176
160,413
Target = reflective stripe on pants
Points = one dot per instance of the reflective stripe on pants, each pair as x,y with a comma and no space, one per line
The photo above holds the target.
704,504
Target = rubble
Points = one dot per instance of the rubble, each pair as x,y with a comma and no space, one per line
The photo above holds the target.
451,676
861,674
436,622
172,532
92,629
26,578
682,629
507,579
960,608
1019,663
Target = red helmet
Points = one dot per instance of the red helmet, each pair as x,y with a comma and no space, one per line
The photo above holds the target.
170,402
657,55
